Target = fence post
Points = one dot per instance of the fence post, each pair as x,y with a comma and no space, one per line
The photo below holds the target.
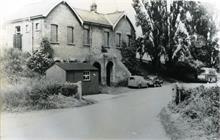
79,90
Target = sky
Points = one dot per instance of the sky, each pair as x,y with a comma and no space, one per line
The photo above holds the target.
8,7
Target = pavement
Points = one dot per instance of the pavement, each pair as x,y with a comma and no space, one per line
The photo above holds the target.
130,115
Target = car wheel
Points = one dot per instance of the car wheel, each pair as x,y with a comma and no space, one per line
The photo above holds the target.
139,86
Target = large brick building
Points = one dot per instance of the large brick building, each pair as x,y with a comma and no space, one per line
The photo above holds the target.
75,33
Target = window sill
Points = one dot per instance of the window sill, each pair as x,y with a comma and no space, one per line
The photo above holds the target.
71,44
54,43
86,80
107,47
86,45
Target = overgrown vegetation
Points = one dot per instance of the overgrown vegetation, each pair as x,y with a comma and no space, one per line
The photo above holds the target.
128,53
42,58
13,65
38,94
197,110
26,88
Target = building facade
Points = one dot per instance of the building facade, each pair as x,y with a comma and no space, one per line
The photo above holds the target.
76,34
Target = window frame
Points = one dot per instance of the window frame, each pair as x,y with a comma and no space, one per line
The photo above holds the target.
37,26
56,34
86,76
16,29
107,40
86,42
128,39
118,40
72,35
27,28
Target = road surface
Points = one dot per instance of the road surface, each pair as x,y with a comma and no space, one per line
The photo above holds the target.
132,115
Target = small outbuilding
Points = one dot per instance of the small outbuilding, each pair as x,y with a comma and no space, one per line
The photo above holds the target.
74,72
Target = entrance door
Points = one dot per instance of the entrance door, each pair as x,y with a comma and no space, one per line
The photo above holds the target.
98,66
109,74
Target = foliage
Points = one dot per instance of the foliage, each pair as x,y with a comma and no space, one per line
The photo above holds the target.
13,64
129,56
32,94
200,106
152,17
41,59
180,31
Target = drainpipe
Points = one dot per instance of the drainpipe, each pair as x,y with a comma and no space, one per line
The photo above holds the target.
32,36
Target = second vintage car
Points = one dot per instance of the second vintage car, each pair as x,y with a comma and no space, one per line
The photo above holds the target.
138,82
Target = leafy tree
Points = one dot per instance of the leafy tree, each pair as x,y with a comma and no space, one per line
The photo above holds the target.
41,59
128,53
152,17
179,31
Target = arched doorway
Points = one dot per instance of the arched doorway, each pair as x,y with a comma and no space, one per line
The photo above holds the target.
98,66
109,73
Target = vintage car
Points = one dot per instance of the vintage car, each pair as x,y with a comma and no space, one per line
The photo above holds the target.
207,75
156,82
138,82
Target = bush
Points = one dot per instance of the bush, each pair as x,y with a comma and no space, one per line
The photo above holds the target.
32,95
41,59
14,65
200,106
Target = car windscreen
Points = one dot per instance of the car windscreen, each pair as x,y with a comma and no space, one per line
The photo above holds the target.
131,78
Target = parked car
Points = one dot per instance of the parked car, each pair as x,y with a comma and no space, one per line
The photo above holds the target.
207,75
138,81
156,82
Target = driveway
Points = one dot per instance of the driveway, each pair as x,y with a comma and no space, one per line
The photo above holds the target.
132,115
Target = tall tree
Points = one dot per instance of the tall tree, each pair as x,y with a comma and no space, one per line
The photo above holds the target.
178,30
152,17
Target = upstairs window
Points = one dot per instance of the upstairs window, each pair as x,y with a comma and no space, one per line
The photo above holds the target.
86,76
37,26
17,29
106,39
118,40
26,28
54,33
128,40
86,38
70,35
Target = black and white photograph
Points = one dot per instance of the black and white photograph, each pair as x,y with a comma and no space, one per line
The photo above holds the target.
109,69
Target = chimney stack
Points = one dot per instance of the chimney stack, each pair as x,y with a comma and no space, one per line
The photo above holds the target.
93,7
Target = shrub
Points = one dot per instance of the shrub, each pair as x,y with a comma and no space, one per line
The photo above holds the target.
14,65
31,95
200,106
41,59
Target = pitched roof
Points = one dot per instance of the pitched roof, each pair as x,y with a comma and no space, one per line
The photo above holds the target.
92,17
42,9
35,9
114,17
76,66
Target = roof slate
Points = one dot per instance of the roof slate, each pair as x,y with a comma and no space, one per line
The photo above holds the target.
43,8
92,17
76,66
